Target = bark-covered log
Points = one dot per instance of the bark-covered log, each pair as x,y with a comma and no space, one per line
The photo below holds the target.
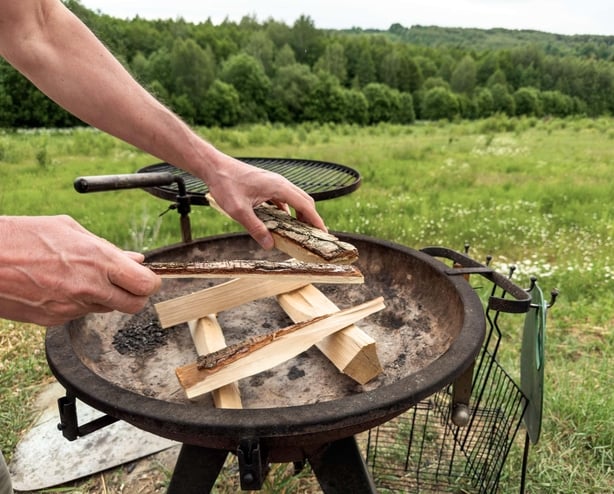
298,239
303,241
310,272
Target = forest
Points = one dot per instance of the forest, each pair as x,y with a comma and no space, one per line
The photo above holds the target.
267,71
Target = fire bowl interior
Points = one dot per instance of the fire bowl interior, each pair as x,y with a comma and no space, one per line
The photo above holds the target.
431,330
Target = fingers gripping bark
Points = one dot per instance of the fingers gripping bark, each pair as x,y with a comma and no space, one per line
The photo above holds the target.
241,187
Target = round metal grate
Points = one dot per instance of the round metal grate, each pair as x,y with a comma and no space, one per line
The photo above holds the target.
320,179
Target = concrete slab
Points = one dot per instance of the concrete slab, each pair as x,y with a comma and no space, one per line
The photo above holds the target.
44,458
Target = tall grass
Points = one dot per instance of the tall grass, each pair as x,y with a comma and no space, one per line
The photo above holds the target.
538,194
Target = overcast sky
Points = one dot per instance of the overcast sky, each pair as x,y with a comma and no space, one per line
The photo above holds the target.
554,16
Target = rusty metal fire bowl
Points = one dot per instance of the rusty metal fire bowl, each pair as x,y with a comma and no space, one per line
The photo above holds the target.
428,335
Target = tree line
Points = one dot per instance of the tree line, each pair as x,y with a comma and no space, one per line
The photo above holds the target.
251,71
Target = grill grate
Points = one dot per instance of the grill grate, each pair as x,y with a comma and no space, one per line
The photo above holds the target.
320,179
422,450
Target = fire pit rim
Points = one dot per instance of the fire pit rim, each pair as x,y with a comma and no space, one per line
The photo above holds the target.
378,405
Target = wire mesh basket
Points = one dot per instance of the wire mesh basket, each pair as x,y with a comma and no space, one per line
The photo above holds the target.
423,450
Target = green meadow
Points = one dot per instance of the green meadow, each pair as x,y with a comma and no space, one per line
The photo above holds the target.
537,194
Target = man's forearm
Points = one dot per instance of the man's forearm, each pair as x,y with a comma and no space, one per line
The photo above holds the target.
63,58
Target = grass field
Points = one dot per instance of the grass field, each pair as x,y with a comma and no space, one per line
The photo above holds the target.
537,194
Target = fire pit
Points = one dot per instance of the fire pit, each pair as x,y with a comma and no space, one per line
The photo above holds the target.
427,337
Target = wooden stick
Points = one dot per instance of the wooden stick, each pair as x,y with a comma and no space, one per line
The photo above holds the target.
300,240
220,297
208,337
243,361
351,350
309,272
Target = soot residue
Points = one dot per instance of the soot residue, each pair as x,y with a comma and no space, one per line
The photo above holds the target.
142,334
295,373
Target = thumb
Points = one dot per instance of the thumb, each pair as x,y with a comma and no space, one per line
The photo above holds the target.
135,256
257,229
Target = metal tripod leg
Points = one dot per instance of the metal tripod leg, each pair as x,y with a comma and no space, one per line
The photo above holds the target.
196,470
341,469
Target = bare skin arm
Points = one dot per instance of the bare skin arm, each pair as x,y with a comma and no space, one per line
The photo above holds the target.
63,58
51,269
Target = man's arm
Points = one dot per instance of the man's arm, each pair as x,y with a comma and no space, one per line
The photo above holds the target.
63,58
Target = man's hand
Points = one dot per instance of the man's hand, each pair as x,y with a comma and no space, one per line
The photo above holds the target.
238,188
52,270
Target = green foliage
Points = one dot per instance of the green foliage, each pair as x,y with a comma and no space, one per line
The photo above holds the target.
464,76
399,71
290,91
306,41
485,103
527,102
357,108
179,61
439,103
327,101
261,47
407,112
503,101
247,76
333,61
192,71
222,105
383,102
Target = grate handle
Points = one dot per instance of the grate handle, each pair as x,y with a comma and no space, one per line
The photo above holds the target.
100,183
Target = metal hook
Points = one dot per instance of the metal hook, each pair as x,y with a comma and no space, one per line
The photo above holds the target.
533,283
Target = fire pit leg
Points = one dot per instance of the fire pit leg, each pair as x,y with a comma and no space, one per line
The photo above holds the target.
341,469
196,470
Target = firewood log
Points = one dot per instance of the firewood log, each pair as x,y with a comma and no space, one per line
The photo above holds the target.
351,350
220,297
301,240
262,353
306,271
208,337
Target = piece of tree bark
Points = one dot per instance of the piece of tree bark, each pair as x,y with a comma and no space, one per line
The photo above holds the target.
260,354
208,337
351,350
309,272
220,297
300,240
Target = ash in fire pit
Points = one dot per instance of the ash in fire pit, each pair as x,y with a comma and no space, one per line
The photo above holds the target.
142,334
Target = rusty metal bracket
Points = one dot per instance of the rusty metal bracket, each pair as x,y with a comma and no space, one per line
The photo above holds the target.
69,422
253,464
464,265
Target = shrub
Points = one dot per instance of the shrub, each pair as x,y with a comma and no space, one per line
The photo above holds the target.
440,103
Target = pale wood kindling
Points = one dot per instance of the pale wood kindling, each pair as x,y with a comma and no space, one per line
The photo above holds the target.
220,297
257,355
351,350
208,337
